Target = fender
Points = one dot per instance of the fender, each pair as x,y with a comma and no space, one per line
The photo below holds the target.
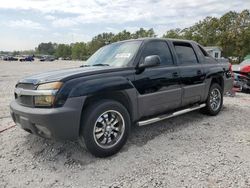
212,72
98,86
95,86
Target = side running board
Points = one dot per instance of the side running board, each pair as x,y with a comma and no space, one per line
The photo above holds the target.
167,116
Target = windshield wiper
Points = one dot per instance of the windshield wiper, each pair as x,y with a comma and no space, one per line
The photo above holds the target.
100,64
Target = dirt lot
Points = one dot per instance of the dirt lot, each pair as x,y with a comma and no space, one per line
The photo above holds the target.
192,150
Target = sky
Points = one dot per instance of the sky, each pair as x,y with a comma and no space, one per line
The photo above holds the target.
26,23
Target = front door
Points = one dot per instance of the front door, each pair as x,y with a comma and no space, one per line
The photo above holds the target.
158,87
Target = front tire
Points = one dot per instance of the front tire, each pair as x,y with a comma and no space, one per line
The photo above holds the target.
214,101
105,127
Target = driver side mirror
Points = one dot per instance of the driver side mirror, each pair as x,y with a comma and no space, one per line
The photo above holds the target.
150,61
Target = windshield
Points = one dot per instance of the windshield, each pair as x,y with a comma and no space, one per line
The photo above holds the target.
117,54
246,62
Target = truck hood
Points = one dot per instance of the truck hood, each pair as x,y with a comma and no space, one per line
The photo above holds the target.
65,74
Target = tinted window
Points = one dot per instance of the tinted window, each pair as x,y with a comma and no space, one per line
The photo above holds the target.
158,48
185,53
203,51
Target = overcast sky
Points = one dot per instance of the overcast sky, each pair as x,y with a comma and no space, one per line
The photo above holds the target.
26,23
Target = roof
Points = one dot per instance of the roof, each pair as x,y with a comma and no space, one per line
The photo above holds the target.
159,39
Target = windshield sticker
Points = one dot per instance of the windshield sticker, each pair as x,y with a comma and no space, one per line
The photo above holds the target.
123,55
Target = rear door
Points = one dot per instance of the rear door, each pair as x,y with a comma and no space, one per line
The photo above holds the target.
159,88
191,73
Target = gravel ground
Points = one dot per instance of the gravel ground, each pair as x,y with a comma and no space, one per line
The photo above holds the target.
11,72
192,150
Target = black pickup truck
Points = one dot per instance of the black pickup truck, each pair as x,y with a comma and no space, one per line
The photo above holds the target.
133,82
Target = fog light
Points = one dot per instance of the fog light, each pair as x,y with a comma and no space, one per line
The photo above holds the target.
43,131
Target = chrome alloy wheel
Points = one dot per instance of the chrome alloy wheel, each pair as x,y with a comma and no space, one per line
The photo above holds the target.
215,99
109,129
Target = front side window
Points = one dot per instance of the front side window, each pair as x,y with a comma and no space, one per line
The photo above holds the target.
117,54
159,48
185,53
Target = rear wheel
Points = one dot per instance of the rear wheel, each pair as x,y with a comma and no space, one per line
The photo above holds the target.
214,101
105,128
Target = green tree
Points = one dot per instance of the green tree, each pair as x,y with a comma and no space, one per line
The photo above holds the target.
235,33
15,53
79,51
142,33
47,48
173,33
63,50
99,41
124,35
242,33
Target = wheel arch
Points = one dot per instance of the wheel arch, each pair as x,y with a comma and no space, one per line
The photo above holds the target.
214,78
219,80
126,98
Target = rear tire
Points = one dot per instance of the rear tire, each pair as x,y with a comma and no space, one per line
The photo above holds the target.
105,128
214,100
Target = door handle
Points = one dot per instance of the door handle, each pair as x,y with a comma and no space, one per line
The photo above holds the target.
199,72
175,74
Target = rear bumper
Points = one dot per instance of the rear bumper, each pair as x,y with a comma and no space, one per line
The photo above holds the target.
57,123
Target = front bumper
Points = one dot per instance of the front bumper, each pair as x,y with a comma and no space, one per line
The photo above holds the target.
57,123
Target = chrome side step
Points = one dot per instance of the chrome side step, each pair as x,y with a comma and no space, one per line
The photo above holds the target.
167,116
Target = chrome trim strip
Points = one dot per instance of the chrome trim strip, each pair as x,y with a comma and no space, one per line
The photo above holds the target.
20,92
167,116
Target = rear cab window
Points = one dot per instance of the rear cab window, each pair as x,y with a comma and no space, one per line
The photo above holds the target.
203,52
185,53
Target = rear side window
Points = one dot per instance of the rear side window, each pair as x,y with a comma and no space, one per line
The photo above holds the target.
203,51
159,48
185,53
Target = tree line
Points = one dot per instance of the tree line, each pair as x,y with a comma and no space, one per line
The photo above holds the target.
82,50
231,32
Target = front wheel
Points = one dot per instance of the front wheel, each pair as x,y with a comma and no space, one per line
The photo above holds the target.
105,128
214,101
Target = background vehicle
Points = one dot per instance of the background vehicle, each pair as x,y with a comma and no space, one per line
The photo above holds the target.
27,58
242,75
48,58
9,58
130,82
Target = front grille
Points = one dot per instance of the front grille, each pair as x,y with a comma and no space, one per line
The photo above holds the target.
25,100
26,86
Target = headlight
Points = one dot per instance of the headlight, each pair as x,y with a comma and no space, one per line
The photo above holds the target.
50,86
45,99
